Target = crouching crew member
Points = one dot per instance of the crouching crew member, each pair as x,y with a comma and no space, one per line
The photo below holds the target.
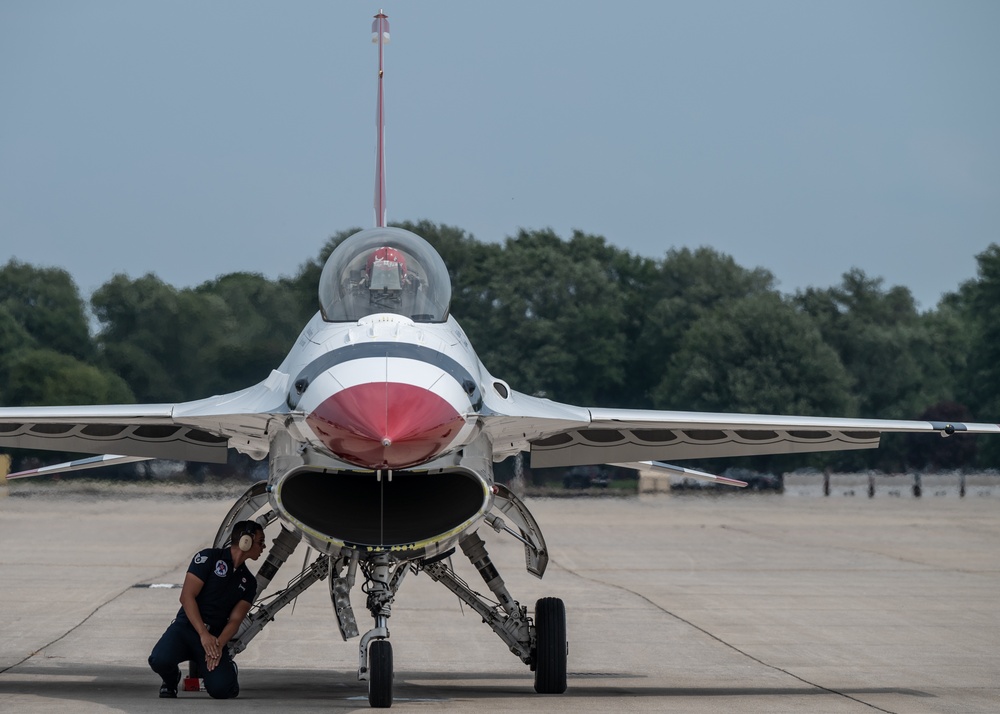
217,594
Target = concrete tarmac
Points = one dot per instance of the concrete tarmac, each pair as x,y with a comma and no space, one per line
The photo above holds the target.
740,602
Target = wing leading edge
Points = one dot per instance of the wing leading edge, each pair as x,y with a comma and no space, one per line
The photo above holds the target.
201,430
631,435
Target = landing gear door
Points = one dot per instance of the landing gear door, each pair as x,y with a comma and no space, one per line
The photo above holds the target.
536,555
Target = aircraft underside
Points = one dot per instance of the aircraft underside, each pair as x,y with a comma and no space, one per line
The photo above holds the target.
538,640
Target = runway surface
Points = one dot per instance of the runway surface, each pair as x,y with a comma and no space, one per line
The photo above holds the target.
768,603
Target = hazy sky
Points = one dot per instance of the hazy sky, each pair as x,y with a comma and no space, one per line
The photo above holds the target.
192,139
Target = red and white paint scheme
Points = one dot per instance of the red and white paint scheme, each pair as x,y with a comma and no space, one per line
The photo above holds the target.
414,415
381,428
397,392
392,409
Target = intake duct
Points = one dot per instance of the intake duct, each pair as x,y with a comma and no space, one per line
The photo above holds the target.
357,509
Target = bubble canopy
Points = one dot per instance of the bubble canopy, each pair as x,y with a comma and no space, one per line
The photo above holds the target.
384,270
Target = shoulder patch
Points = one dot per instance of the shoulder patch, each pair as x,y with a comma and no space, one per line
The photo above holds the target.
221,568
199,559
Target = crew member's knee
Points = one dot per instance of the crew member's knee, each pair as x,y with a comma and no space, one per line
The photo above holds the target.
158,664
166,654
222,682
226,691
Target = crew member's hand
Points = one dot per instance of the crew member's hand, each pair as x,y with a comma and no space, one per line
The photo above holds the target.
212,648
211,662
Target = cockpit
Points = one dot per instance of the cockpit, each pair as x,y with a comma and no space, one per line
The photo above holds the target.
384,270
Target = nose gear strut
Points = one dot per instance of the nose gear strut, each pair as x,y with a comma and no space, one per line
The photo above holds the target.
383,576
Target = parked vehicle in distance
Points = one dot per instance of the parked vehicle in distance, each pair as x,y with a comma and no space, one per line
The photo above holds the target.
585,477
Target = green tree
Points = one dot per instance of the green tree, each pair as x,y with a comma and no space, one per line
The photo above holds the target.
670,296
159,339
556,318
39,377
979,302
887,348
13,336
259,328
757,354
901,362
47,304
943,349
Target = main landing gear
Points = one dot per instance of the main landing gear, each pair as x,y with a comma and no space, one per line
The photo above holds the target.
549,654
539,641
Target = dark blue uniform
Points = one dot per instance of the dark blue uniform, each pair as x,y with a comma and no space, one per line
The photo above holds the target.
224,587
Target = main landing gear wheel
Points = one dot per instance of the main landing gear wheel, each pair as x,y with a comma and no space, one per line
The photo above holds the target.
551,647
380,674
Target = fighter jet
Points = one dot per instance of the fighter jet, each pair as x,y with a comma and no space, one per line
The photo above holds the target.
381,428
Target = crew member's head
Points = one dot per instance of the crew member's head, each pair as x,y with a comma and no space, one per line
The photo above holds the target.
248,537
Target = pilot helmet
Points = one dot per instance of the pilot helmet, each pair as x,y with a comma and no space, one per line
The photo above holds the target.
386,269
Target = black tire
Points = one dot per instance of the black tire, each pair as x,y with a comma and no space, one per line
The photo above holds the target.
380,674
551,646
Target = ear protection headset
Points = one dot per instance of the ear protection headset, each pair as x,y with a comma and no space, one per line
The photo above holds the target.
246,540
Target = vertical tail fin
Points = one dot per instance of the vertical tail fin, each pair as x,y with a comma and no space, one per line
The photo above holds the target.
380,36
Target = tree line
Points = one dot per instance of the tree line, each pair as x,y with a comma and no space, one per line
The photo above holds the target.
576,320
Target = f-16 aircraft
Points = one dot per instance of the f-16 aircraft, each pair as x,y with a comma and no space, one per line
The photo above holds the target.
381,428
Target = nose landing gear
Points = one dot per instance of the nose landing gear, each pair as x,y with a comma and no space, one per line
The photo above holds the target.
383,577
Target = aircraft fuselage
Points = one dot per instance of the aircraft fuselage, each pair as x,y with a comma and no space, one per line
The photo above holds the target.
384,449
386,392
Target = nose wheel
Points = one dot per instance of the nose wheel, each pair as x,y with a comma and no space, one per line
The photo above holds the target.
380,674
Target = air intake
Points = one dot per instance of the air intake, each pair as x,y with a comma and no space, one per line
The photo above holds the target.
358,509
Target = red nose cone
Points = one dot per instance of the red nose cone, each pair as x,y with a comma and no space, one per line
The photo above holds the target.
385,425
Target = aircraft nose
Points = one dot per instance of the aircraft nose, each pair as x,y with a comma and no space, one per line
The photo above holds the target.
387,425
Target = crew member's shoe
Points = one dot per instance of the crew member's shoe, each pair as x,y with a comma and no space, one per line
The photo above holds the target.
168,691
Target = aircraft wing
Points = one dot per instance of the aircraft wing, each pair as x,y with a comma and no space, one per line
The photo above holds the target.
201,430
606,436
